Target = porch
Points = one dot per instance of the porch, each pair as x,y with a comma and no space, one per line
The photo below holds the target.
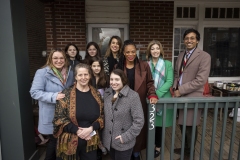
209,140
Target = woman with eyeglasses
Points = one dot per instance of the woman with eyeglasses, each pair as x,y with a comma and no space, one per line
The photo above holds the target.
113,54
73,56
47,87
92,50
140,80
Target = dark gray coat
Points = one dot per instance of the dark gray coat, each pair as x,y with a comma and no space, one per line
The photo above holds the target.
125,117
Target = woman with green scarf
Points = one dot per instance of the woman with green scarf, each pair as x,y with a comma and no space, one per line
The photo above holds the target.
162,73
48,83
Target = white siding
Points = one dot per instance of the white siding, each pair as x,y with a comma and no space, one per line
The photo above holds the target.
107,11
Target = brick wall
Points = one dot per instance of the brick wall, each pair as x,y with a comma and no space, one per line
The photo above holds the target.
36,34
152,20
65,23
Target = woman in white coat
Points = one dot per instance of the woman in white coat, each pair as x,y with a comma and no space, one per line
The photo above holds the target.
48,83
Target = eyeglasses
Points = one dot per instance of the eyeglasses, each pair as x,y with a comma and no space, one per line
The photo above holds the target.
56,58
189,38
89,50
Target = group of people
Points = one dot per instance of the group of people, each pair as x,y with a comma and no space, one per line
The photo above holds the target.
100,102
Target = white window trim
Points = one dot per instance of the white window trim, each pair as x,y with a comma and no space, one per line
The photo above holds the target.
90,26
201,23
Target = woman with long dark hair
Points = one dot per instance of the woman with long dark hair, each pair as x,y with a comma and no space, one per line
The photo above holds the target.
99,79
113,54
73,56
92,50
140,80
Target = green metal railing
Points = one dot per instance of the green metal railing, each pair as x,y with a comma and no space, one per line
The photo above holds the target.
196,103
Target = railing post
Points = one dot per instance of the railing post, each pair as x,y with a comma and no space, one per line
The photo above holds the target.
151,131
173,131
203,130
233,130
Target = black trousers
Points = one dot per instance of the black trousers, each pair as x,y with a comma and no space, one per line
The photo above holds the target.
120,155
81,151
188,137
83,155
158,137
51,148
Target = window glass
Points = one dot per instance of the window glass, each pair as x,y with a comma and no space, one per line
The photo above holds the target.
185,12
223,45
222,13
179,12
192,12
178,41
229,12
236,13
207,12
215,13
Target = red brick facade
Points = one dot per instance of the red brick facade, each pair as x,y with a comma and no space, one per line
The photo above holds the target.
36,35
152,20
65,23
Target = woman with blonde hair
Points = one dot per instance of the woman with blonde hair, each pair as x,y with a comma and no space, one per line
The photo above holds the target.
162,73
47,87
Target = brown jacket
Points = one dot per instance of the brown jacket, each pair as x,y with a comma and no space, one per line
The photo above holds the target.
195,75
144,86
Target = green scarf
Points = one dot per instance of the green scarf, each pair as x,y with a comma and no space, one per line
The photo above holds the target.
61,75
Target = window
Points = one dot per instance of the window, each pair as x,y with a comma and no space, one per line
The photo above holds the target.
222,13
186,12
219,26
101,34
223,44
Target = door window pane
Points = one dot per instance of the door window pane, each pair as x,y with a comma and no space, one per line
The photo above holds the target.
102,36
224,47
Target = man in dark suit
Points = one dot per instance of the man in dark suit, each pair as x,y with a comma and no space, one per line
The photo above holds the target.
191,72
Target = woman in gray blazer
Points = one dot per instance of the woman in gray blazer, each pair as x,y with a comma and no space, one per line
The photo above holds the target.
124,117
